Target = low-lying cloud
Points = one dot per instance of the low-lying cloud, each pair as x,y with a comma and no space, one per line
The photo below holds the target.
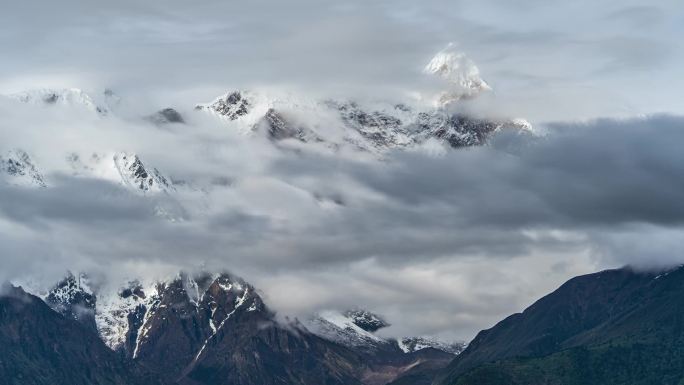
441,244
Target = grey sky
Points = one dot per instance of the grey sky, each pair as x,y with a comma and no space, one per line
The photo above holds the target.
545,59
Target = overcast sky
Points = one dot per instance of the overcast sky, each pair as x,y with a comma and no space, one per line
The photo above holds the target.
545,59
441,244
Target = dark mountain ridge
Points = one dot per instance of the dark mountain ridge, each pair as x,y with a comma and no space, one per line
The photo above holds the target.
613,327
40,346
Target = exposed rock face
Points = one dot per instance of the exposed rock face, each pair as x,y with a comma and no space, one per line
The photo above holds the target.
166,116
380,128
73,298
278,127
134,173
457,130
230,106
366,320
251,349
185,316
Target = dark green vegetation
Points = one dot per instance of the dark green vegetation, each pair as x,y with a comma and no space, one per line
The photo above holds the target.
612,327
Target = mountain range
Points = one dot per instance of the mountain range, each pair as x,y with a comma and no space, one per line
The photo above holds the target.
284,119
620,326
204,329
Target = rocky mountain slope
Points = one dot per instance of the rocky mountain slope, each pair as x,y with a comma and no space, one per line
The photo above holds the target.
357,329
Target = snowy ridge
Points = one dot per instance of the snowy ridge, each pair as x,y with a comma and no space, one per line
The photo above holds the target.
71,97
127,169
285,119
414,344
337,327
374,127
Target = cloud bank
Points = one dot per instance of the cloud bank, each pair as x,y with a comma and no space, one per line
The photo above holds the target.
455,239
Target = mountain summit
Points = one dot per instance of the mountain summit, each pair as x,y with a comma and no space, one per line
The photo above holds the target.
460,73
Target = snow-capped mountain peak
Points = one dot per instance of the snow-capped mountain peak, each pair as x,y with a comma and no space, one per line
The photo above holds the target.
459,71
74,298
231,106
134,174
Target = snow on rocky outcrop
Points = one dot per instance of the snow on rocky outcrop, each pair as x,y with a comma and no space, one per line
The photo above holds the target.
134,174
122,168
231,106
120,313
17,168
74,298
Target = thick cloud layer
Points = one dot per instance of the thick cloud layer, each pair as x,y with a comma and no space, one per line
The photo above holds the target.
454,239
